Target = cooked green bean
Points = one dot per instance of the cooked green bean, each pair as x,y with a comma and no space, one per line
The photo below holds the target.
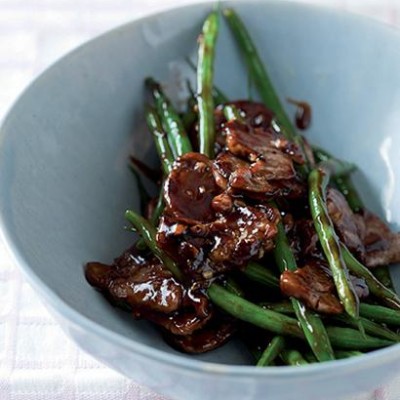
341,354
205,74
380,314
292,357
377,288
218,95
232,286
383,275
177,137
369,327
318,181
274,348
262,275
351,339
343,183
160,140
232,113
249,312
373,312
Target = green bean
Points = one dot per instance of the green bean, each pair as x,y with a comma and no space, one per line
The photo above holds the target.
282,307
218,95
370,327
148,233
377,289
380,314
261,275
177,137
160,140
341,354
318,180
205,73
383,275
311,358
232,286
292,357
352,339
246,311
232,113
311,324
373,312
272,351
343,183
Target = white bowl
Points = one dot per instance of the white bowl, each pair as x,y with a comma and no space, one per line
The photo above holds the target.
64,184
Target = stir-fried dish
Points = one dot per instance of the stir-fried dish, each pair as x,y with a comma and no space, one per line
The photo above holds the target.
254,233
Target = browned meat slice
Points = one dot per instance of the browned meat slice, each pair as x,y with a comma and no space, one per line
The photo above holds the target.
257,180
188,251
382,245
313,285
243,234
232,239
251,144
303,113
214,335
149,291
304,239
255,114
190,188
194,314
145,287
345,222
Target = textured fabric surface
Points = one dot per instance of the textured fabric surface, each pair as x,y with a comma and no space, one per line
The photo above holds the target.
37,361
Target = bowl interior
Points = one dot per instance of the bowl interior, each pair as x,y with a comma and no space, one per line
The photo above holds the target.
64,182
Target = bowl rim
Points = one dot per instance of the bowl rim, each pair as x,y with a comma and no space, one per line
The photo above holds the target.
61,308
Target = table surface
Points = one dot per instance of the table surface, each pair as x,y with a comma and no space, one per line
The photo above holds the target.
37,361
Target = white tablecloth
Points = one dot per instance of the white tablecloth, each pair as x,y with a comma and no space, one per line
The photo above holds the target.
37,362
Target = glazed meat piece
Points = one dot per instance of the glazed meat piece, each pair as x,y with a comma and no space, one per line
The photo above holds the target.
144,287
149,291
345,222
190,188
243,234
257,180
255,114
313,285
214,335
382,245
272,147
304,239
194,314
239,233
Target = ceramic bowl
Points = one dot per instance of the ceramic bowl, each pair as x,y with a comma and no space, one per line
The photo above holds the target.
64,182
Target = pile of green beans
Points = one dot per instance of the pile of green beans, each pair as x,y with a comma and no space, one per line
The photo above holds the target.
362,326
